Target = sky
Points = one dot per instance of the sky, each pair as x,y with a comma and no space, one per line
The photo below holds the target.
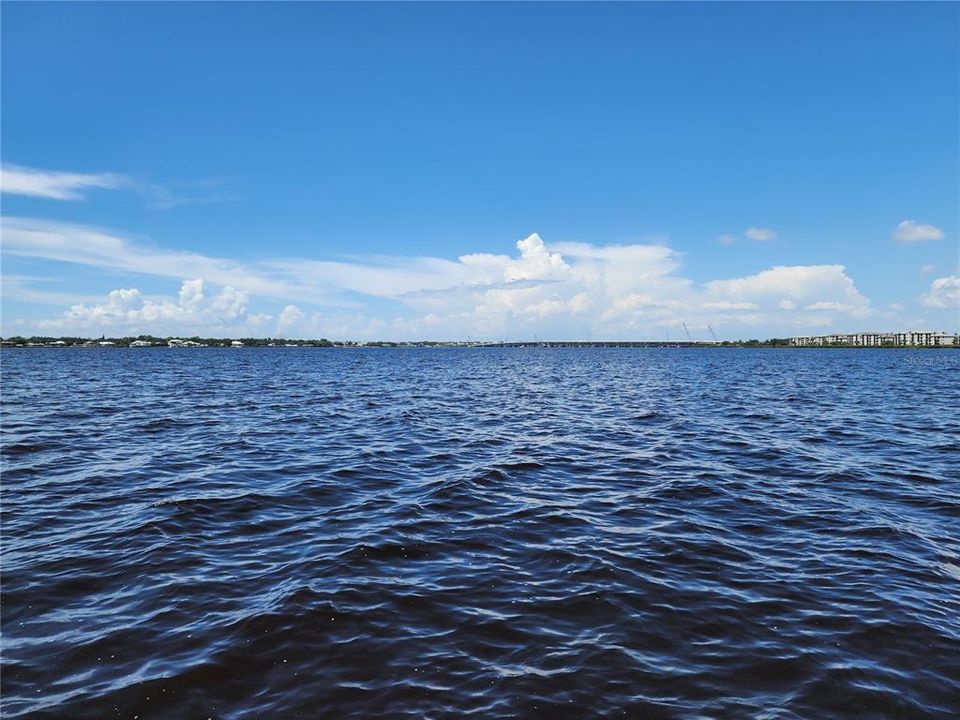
407,171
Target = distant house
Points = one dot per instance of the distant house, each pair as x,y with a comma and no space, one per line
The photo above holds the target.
141,343
236,343
178,343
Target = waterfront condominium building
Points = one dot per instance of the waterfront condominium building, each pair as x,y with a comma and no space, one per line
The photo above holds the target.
911,338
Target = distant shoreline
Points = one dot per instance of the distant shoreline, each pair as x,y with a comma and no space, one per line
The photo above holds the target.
127,343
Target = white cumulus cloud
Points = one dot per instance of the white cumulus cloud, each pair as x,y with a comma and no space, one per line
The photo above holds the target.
910,231
944,293
126,309
290,316
798,283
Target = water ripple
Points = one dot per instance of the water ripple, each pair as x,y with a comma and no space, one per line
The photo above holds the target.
480,533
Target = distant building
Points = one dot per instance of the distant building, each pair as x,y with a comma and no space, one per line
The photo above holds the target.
178,343
926,338
236,343
913,338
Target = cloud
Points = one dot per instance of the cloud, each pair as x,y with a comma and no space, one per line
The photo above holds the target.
944,293
55,185
561,290
229,304
760,234
258,320
93,247
126,309
191,294
910,231
831,306
60,185
794,283
927,269
727,305
21,288
290,316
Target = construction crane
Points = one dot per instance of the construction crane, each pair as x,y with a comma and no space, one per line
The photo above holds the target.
713,334
689,339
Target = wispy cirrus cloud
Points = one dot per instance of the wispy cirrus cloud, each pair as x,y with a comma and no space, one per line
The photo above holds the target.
757,234
75,186
760,234
98,248
35,290
56,185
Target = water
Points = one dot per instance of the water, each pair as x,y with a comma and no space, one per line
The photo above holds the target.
484,533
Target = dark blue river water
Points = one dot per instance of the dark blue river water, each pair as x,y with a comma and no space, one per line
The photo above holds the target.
281,533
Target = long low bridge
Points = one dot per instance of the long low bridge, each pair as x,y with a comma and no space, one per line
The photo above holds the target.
597,344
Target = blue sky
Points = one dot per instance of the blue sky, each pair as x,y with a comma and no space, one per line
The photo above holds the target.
368,170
